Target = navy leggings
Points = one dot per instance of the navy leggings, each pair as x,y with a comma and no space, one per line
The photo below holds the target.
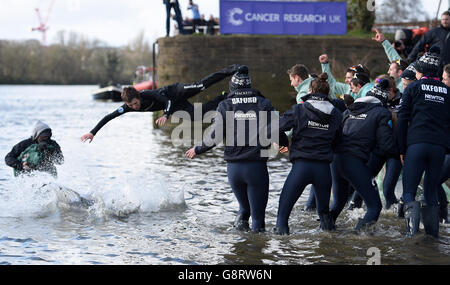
249,181
304,172
420,158
393,170
348,170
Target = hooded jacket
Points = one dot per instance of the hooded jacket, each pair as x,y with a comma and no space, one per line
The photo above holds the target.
238,115
316,126
424,115
366,124
53,155
437,36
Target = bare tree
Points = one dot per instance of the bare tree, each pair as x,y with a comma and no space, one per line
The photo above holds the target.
400,11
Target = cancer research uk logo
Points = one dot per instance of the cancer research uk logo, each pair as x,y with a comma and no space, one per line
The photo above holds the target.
231,16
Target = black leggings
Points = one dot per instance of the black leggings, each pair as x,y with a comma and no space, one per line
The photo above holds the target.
249,181
304,172
182,92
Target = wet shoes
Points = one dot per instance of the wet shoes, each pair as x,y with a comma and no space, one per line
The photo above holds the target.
412,218
241,224
430,220
281,231
326,222
363,224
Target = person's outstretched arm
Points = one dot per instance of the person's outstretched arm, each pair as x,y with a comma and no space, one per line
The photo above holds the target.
122,110
337,88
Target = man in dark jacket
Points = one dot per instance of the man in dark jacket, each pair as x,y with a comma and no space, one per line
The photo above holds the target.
38,153
439,36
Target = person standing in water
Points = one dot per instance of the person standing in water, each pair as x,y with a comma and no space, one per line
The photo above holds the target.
316,127
424,140
246,164
366,125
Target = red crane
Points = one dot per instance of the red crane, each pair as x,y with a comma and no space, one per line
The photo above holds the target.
43,23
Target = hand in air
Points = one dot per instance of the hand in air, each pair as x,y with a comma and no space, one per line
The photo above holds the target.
323,58
379,37
191,153
86,137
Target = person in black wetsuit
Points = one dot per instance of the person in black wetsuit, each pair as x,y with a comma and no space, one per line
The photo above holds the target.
169,98
244,150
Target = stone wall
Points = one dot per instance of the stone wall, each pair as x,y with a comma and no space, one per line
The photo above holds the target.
188,58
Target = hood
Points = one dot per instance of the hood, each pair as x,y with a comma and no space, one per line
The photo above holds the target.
38,128
318,107
304,84
364,104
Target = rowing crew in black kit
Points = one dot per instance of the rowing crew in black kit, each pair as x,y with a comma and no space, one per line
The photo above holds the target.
329,148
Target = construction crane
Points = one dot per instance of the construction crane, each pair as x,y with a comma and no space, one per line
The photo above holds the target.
43,23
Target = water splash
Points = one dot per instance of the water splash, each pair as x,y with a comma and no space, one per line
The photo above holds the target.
41,195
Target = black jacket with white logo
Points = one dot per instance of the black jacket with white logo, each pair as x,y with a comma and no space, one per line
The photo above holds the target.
424,115
241,124
316,125
366,124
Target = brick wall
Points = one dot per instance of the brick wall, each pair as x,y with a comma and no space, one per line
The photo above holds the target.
188,58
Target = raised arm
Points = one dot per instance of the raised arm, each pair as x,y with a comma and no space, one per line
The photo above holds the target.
390,51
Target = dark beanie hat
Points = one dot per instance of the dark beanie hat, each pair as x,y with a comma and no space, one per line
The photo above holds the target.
380,91
428,64
240,79
410,72
362,77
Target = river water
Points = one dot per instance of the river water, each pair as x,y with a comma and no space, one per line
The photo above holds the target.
154,206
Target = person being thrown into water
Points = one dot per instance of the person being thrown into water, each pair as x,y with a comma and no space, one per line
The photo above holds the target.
169,98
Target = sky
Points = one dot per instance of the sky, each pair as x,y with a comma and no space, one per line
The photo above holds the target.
115,22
